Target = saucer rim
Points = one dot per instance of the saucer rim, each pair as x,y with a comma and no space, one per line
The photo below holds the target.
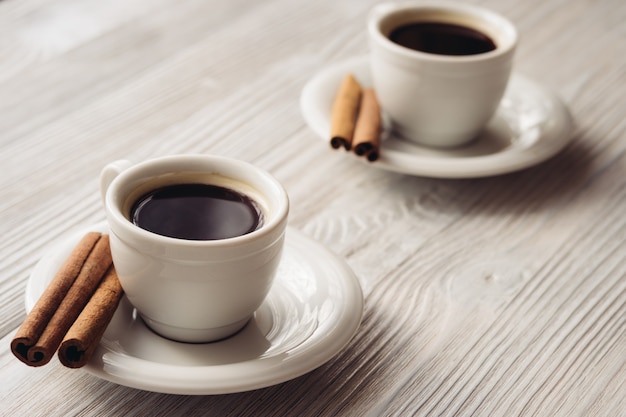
118,367
553,138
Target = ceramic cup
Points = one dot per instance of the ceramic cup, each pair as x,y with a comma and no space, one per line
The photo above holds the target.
194,290
434,99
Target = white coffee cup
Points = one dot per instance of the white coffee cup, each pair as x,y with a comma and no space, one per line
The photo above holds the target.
434,99
194,290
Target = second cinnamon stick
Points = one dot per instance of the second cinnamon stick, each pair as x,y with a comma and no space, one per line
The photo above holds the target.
83,337
368,127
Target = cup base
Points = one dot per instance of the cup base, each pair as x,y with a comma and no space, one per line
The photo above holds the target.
186,335
435,141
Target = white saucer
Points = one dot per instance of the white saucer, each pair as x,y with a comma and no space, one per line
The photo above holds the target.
311,313
531,125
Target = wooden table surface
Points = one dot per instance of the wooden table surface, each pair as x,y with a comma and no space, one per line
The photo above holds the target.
500,296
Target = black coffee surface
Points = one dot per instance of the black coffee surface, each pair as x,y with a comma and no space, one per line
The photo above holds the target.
196,212
442,39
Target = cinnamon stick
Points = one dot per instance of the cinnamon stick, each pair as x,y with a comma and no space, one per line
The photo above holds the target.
96,264
83,337
368,127
36,321
344,113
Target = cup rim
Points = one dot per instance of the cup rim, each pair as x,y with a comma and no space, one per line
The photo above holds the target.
124,225
385,11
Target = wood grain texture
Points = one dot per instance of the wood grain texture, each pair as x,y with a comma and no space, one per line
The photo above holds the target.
501,296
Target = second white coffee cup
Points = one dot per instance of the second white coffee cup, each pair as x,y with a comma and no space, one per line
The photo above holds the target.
434,98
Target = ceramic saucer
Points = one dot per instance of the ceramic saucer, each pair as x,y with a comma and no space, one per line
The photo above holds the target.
530,126
311,313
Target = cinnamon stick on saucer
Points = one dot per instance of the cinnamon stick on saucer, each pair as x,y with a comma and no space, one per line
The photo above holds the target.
36,321
344,113
83,337
368,127
95,266
92,271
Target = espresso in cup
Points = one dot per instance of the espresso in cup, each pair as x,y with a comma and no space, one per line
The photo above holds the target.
442,38
197,212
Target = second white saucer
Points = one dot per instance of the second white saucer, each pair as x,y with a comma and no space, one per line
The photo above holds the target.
531,125
313,310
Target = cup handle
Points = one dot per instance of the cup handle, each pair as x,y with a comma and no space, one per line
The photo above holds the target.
110,172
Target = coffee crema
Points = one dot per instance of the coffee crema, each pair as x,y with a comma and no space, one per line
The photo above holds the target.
196,212
442,38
